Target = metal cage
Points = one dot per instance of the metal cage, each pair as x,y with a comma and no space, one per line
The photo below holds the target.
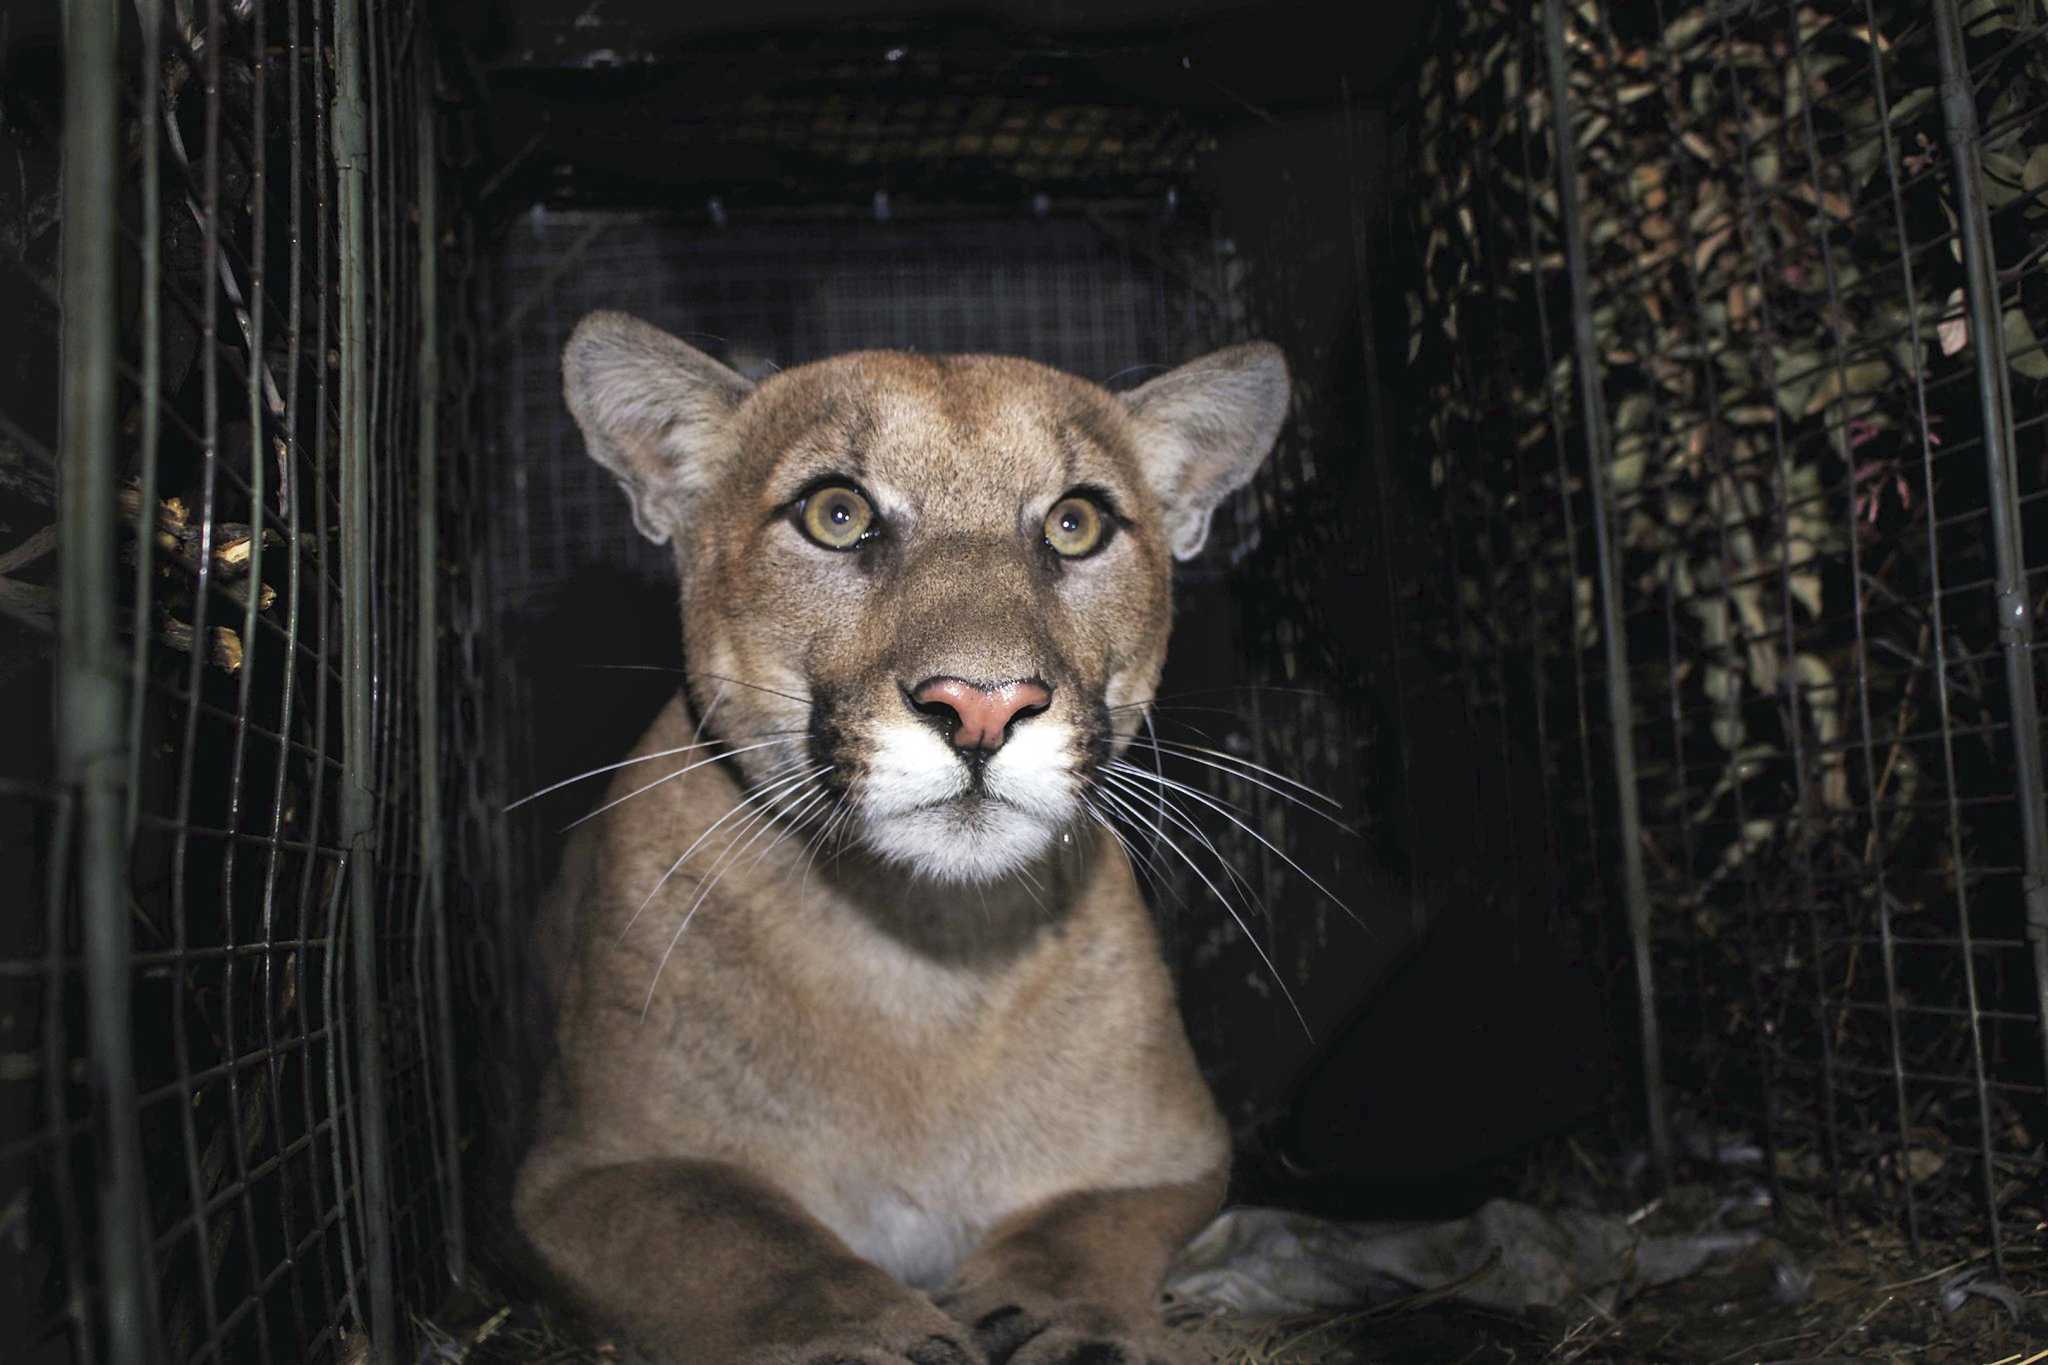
231,1128
1723,336
1652,557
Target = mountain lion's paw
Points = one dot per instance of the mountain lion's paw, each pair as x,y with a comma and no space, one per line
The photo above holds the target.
911,1333
1030,1330
1059,1346
934,1350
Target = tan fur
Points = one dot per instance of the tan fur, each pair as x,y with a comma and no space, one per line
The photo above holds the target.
805,1085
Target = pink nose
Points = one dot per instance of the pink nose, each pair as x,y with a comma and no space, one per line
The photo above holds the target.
980,714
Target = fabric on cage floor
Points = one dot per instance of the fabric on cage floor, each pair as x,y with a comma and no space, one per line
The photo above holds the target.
1509,1256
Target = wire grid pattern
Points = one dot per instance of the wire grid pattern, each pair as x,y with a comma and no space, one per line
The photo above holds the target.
906,116
830,116
1102,300
262,1054
1735,436
477,963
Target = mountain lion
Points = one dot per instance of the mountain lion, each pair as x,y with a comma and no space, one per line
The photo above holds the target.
864,1050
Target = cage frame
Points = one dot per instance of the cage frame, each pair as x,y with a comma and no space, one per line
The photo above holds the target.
101,683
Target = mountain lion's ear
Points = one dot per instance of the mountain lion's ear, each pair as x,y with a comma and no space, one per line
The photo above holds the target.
1203,431
652,411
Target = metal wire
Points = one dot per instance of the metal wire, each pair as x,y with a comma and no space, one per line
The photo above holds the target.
245,953
1620,704
1839,789
360,779
1784,528
778,294
91,767
433,913
2014,608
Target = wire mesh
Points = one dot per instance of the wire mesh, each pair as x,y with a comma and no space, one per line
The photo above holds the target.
1808,296
835,115
1082,297
1696,516
217,916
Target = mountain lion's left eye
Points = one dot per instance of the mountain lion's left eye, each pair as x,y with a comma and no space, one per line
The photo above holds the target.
1075,527
837,517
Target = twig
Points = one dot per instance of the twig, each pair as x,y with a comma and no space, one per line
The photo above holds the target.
2014,1359
1430,1296
1933,1274
1287,1344
29,603
1857,1325
1754,1349
30,550
1610,1326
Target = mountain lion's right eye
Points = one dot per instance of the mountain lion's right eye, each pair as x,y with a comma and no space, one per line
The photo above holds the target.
836,517
1076,527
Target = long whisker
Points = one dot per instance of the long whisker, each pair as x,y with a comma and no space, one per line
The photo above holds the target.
816,844
629,762
757,819
1120,765
823,819
636,668
670,777
1157,760
1129,771
1202,752
1242,776
1187,825
1250,937
822,837
1139,798
742,682
704,721
1174,715
1031,889
1135,856
846,820
1156,829
763,819
792,820
758,793
832,829
1220,691
811,847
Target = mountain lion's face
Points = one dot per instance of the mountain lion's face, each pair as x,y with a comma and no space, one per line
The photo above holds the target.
923,597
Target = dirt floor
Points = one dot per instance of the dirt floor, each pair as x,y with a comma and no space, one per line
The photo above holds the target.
1807,1293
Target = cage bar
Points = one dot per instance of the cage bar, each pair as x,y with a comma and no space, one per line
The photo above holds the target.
1845,907
359,785
2013,605
1620,708
92,757
432,850
1887,943
1803,817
